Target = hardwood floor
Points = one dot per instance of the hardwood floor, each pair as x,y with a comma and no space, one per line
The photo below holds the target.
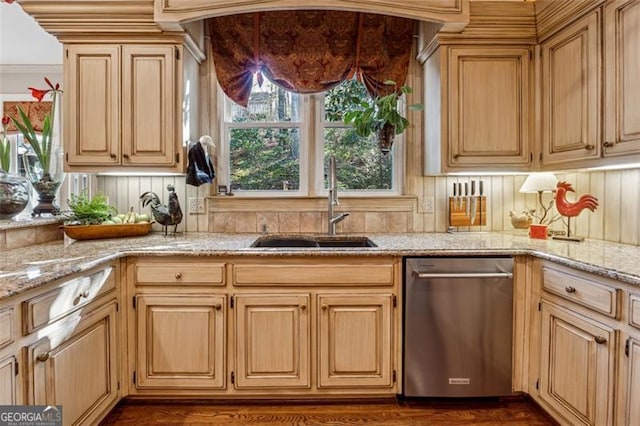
386,412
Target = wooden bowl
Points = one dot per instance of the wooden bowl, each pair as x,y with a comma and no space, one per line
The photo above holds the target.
94,232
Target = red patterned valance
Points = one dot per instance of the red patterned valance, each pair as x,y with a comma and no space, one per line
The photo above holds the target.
308,51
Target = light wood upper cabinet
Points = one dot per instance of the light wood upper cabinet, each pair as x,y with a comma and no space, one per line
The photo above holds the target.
622,85
577,366
273,341
121,107
92,105
76,366
478,111
571,92
181,341
355,347
489,92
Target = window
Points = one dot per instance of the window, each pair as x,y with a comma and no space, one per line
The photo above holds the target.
269,146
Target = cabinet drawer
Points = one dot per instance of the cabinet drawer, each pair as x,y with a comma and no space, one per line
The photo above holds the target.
582,290
52,305
7,321
180,273
634,310
307,274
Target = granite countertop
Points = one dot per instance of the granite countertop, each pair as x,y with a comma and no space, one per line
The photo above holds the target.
26,268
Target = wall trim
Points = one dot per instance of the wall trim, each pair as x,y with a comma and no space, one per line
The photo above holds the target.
30,68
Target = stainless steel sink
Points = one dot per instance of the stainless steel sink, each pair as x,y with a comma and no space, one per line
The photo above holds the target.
323,241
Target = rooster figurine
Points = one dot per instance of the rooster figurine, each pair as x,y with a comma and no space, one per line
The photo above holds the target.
164,215
572,209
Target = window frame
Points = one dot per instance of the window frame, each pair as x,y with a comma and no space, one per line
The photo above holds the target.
311,159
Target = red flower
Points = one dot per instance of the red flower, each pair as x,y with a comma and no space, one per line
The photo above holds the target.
9,1
5,121
38,94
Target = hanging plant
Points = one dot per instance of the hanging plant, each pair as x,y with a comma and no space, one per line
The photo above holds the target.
380,115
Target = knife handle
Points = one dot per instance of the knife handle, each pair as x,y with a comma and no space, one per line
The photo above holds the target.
455,192
466,189
480,189
473,188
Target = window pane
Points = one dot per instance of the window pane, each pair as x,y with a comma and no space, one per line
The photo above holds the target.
267,103
360,163
265,159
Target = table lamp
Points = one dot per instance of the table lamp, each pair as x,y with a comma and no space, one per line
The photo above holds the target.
541,182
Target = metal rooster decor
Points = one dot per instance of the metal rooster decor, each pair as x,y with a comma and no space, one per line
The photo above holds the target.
164,215
572,209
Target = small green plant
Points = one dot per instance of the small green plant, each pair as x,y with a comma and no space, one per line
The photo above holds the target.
89,211
379,113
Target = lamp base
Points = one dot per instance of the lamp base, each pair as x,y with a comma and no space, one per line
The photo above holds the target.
568,238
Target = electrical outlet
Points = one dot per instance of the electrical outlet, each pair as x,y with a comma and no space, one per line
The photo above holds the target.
428,205
196,205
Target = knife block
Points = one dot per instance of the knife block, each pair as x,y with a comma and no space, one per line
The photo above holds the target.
458,211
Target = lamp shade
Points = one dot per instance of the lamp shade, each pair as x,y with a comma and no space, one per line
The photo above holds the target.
540,182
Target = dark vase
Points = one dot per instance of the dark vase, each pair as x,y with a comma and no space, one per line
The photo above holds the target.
385,137
14,195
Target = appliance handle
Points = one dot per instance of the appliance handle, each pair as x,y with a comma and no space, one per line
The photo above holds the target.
465,275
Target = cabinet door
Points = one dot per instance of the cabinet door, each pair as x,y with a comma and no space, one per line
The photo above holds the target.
632,352
489,106
76,366
181,341
272,341
8,391
149,109
622,85
92,105
571,90
577,366
355,344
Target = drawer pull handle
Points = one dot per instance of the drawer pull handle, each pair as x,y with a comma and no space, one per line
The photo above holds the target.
218,307
607,144
303,307
178,275
589,147
85,294
43,357
600,340
570,289
325,307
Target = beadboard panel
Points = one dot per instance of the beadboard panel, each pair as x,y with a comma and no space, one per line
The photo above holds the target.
124,192
618,193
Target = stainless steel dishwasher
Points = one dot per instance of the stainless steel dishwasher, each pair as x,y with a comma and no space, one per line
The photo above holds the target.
458,326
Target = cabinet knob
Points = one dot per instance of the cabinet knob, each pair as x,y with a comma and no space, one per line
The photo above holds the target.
113,156
607,144
125,156
178,275
85,294
43,357
589,147
456,156
218,307
303,307
600,340
570,289
325,307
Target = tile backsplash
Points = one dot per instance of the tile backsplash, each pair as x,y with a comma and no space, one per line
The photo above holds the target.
618,192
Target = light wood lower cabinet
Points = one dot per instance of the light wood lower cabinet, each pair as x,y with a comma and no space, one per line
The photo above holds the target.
8,373
355,348
181,341
273,342
632,353
75,366
577,366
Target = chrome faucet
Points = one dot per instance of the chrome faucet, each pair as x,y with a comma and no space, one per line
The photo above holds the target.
333,197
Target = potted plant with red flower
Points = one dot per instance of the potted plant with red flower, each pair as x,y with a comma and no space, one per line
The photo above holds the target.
44,170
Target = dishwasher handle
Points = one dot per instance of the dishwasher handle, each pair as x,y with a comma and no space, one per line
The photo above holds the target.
506,275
